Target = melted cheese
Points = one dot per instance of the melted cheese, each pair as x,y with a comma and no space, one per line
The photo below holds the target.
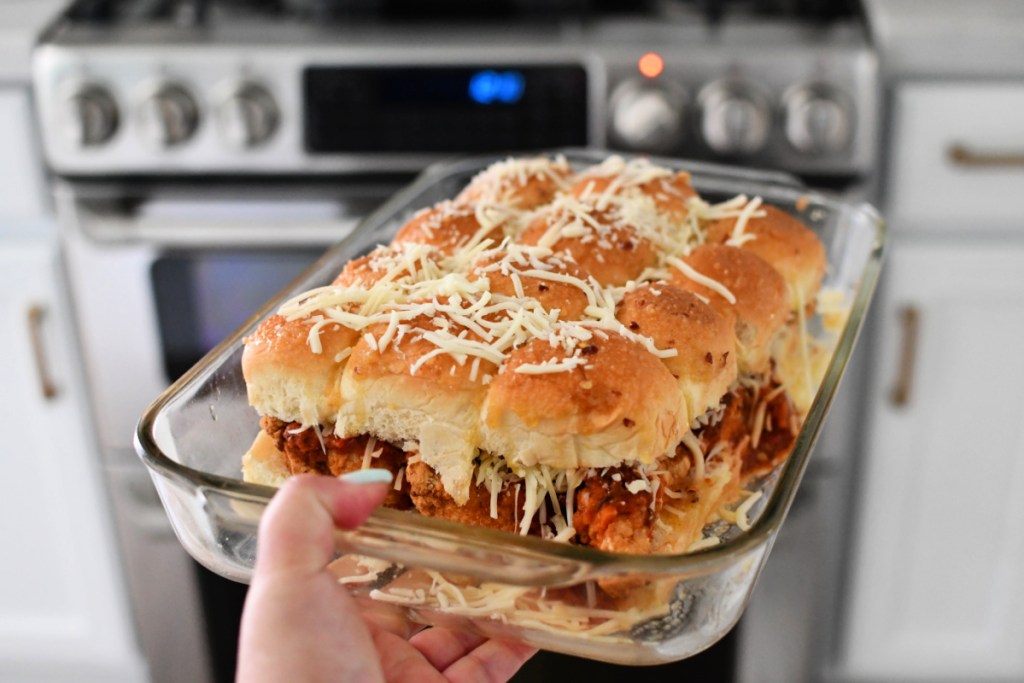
693,445
701,279
738,237
742,512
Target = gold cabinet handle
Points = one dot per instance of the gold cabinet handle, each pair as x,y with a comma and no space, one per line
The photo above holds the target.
910,319
962,155
35,331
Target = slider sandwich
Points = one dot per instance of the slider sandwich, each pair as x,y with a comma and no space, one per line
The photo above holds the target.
593,356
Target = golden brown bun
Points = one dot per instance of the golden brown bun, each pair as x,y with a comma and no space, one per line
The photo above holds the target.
674,318
286,379
612,252
435,405
519,183
569,299
788,245
447,226
761,305
669,194
368,270
263,463
622,405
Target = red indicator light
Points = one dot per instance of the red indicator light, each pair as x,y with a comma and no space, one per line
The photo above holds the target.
651,65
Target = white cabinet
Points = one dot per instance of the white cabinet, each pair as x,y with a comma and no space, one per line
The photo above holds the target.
957,162
22,194
63,610
936,565
937,587
63,607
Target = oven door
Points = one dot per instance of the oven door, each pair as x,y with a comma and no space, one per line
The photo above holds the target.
158,275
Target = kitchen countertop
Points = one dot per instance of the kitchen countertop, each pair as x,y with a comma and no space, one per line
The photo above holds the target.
948,39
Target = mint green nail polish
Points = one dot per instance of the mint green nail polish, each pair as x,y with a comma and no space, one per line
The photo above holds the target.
371,476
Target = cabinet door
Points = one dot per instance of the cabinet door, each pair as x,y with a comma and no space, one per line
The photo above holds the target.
937,566
63,606
956,167
22,201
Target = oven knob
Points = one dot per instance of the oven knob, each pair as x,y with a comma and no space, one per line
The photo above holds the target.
818,119
248,117
90,116
169,117
648,116
734,118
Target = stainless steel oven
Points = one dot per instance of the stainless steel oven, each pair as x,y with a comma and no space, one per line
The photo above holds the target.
158,276
203,153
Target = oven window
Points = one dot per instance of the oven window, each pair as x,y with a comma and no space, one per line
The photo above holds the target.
203,296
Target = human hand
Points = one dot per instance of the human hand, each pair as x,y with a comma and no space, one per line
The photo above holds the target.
299,624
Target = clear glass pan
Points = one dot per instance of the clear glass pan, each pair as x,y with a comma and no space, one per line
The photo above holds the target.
541,592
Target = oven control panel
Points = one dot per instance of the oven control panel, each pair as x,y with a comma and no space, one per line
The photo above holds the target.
793,100
440,108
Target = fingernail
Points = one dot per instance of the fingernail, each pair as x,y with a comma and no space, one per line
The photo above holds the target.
370,476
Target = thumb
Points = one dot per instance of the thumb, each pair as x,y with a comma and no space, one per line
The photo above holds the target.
298,623
296,534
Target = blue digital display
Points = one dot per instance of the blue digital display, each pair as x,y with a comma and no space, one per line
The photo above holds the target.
444,108
488,87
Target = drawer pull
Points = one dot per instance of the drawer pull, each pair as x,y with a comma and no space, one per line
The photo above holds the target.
961,155
35,331
910,319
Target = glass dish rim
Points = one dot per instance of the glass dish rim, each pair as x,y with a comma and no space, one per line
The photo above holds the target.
698,561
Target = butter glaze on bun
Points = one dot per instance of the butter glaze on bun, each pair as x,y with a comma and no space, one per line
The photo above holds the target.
787,244
401,260
612,251
502,274
519,183
448,227
705,364
760,307
617,404
669,193
286,379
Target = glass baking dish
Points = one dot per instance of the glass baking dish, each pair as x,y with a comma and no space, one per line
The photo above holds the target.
498,584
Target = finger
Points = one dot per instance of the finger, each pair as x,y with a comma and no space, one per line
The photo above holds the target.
392,621
304,629
297,530
442,647
298,623
495,660
402,662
